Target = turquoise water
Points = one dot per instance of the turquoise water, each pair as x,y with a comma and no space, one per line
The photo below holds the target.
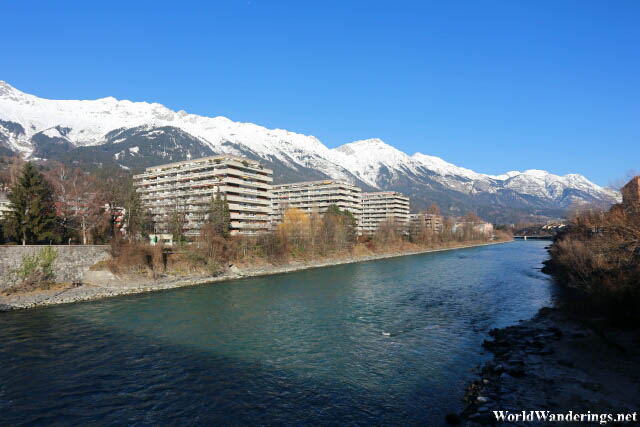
390,342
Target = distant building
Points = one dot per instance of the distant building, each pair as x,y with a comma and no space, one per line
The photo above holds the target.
486,228
427,221
383,206
315,196
5,204
631,193
187,188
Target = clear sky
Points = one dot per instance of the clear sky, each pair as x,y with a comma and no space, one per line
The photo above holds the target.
488,85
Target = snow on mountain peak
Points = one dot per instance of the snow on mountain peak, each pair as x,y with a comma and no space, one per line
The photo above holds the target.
365,158
4,86
442,167
536,173
9,92
372,161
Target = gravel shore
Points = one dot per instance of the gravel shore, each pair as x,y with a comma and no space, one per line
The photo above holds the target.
133,285
554,362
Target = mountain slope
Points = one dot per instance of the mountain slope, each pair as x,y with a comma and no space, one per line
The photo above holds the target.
135,135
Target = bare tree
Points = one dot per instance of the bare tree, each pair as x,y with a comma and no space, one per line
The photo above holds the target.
80,201
433,209
620,182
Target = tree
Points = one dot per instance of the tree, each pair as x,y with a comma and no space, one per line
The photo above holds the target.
339,228
433,209
448,226
418,230
388,232
118,192
219,215
468,225
137,218
226,217
177,221
32,218
296,228
80,200
15,170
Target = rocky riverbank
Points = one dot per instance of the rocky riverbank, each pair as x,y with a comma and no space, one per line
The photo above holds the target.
554,362
104,284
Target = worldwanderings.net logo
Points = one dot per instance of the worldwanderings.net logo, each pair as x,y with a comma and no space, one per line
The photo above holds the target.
548,416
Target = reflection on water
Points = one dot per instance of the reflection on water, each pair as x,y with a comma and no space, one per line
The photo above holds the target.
386,342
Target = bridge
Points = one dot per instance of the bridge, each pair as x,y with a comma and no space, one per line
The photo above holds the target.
546,237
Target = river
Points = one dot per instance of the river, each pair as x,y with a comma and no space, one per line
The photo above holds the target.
390,342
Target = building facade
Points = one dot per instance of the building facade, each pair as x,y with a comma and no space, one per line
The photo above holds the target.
426,221
315,196
187,188
5,204
382,206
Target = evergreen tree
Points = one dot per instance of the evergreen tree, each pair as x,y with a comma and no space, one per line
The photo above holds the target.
226,217
177,221
32,218
340,226
351,226
215,213
219,216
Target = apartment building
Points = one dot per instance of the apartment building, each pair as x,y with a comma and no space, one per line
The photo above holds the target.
427,221
5,204
381,206
188,186
315,196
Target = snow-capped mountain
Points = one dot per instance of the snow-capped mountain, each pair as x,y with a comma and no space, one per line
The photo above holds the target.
374,162
135,135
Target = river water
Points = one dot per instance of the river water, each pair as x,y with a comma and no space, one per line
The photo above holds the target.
390,342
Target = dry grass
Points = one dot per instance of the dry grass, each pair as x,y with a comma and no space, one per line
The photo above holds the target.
599,259
361,250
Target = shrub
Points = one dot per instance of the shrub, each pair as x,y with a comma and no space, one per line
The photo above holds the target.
598,259
36,270
130,257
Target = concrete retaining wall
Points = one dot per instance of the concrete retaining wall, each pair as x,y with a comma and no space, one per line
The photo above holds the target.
71,261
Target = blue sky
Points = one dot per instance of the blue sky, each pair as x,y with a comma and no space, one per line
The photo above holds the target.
488,85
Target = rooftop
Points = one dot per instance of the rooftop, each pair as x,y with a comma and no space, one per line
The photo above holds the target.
203,159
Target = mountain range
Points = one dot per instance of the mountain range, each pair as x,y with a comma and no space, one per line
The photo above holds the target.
134,135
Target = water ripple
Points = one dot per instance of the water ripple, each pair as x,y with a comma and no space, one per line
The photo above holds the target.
377,343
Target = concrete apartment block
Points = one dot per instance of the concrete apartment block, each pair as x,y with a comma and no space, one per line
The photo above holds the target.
428,221
381,206
315,196
188,187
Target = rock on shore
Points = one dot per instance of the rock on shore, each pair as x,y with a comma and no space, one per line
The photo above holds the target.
556,363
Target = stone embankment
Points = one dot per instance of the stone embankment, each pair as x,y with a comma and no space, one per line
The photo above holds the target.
70,265
103,284
556,363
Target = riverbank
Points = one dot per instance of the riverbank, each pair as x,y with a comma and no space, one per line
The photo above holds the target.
111,286
558,363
